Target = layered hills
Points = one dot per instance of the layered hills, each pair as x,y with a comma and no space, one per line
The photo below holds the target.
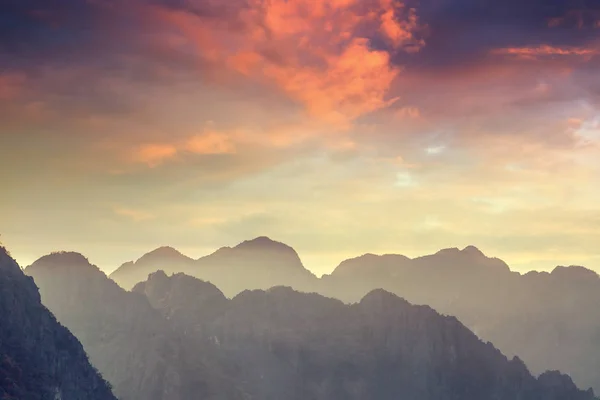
131,344
39,358
547,319
278,343
260,263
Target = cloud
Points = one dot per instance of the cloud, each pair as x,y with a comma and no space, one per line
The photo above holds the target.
128,87
210,143
154,154
407,113
534,53
584,18
400,30
352,84
320,55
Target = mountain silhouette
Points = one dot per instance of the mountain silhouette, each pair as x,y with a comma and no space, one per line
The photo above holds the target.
177,337
126,338
39,358
254,264
296,345
548,319
164,258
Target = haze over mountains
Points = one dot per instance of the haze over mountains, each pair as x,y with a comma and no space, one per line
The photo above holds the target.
39,358
260,263
548,319
278,343
126,339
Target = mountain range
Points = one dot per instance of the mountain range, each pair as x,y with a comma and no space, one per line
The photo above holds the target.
548,319
260,263
39,358
125,337
277,343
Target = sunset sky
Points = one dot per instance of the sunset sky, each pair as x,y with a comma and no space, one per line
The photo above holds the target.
338,127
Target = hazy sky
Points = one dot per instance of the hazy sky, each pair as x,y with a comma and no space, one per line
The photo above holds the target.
339,127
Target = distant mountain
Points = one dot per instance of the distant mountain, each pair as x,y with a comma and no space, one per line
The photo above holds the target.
164,258
260,263
39,358
133,346
291,345
548,319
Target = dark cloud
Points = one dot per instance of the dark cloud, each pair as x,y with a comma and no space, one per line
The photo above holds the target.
464,31
459,30
100,40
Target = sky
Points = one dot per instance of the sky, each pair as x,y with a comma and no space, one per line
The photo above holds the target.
339,127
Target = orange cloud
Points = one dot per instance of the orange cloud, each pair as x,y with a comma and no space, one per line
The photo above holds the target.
401,31
210,143
154,154
206,143
317,53
350,84
532,53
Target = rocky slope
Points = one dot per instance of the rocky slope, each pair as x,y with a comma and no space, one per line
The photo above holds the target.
292,345
548,319
133,346
39,358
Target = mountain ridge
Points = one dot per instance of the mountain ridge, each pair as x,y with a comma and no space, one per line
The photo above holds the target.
39,358
282,316
467,250
126,337
505,307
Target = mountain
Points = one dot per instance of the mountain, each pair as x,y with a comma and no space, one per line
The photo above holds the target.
131,343
254,264
291,345
548,319
39,358
164,258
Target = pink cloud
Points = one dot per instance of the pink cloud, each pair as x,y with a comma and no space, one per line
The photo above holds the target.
407,113
154,154
210,143
317,53
11,85
400,29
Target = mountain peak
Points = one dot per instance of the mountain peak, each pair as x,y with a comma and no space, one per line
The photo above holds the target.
371,264
472,251
178,288
166,258
381,298
469,251
63,259
574,272
164,252
6,260
263,243
448,252
269,251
